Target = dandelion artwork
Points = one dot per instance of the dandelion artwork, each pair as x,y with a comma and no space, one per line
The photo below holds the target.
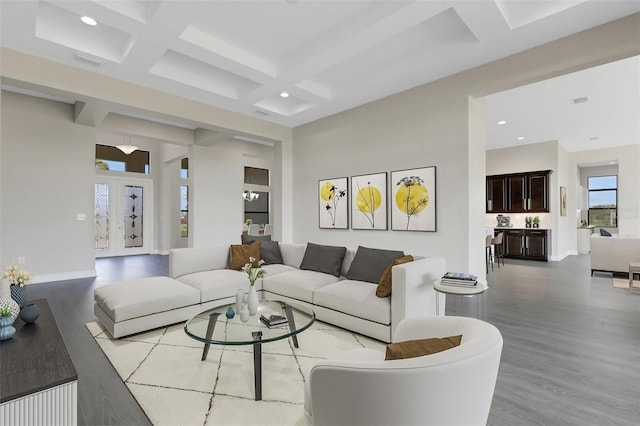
414,200
333,212
369,201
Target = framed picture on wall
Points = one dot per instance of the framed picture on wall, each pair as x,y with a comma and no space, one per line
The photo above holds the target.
413,199
369,201
333,212
563,201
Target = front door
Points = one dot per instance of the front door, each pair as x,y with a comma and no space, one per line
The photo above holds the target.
122,216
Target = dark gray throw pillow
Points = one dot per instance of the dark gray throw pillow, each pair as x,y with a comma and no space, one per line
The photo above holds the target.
248,239
605,233
369,264
327,259
270,252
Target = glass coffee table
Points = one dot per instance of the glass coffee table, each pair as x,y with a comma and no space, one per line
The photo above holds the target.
212,327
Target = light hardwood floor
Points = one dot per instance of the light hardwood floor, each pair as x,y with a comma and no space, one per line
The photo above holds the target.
571,343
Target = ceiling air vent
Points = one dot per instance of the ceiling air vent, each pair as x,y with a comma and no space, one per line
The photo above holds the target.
579,100
88,59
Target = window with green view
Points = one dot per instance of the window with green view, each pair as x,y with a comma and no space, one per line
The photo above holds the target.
603,200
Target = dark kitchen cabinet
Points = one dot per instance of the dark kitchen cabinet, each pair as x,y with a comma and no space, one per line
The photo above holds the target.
496,194
513,243
518,193
531,244
538,191
536,244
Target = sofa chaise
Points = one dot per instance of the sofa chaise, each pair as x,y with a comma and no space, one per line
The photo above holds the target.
614,253
200,279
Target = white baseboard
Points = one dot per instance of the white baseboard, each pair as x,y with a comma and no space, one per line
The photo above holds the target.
559,257
64,276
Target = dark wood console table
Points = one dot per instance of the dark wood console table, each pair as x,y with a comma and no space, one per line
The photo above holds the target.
39,381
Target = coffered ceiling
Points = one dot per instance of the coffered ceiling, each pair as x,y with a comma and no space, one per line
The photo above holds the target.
328,56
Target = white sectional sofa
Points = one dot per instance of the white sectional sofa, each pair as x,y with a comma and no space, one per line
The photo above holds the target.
613,254
343,302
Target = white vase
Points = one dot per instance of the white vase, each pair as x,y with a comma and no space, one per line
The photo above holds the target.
239,300
244,313
252,300
5,298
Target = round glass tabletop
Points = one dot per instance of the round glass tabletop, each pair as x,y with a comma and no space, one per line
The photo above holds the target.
233,331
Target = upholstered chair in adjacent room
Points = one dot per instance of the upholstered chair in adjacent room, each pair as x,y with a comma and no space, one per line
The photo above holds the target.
254,229
454,387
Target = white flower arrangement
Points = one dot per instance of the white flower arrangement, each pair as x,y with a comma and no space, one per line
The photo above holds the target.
16,275
254,272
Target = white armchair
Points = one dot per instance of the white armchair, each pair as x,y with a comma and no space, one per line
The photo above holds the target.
454,387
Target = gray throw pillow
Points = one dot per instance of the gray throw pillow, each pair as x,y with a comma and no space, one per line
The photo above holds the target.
327,259
369,264
270,252
248,239
605,233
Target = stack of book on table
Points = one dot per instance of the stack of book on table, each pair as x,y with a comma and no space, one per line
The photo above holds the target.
459,279
273,320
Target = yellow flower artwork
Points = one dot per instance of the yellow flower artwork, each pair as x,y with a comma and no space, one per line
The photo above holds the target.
369,201
414,200
333,213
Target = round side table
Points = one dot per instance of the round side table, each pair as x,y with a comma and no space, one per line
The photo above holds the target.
455,290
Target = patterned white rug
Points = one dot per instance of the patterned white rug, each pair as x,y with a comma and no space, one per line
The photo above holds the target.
165,374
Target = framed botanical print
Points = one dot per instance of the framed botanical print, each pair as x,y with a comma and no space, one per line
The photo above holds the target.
333,212
413,199
369,201
563,201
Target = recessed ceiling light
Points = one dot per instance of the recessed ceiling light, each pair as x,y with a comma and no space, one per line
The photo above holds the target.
502,122
284,95
89,20
520,138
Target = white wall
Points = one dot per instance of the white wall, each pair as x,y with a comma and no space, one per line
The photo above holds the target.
563,224
427,126
47,179
217,176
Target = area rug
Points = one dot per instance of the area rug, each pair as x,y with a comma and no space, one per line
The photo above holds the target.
624,283
165,374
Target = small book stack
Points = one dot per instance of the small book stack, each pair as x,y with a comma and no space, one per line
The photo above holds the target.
273,320
459,279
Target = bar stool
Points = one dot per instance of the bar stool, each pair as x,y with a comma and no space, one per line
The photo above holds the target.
634,269
488,253
497,244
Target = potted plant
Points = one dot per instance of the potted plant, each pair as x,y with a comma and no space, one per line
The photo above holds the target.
528,220
7,330
536,222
